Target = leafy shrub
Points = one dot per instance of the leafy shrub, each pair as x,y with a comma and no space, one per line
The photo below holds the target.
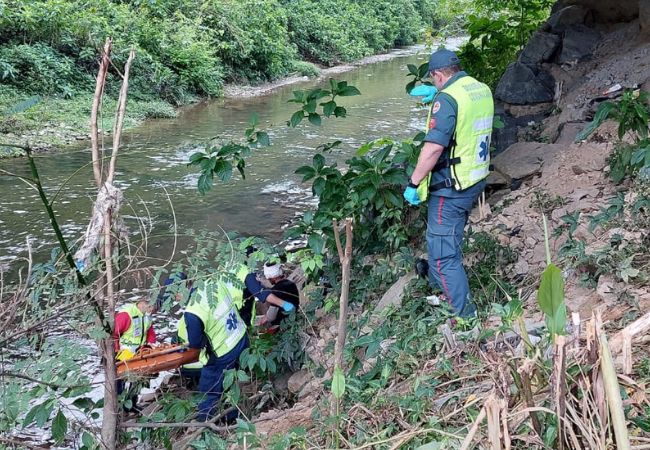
632,114
304,68
496,34
39,69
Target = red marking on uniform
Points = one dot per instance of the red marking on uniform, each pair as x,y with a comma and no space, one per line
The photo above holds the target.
432,123
444,282
440,203
436,108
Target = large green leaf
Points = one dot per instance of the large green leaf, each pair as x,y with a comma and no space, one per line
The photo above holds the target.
296,118
550,297
338,383
59,427
205,182
314,119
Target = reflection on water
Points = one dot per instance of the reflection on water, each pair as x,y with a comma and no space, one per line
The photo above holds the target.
152,166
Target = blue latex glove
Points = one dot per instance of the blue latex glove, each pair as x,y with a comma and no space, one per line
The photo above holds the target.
411,195
426,91
288,307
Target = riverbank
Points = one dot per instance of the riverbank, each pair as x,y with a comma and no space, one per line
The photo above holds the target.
48,123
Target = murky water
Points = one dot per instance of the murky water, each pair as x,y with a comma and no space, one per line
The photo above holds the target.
152,166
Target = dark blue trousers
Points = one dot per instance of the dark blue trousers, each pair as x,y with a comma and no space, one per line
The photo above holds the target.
211,383
446,223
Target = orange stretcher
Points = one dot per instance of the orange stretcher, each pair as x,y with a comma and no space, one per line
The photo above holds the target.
148,361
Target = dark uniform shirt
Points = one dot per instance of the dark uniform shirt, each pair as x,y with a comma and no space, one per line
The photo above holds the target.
441,131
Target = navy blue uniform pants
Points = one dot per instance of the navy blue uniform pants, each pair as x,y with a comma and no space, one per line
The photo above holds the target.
211,382
446,223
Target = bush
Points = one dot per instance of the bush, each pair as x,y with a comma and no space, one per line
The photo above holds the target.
498,31
39,69
304,68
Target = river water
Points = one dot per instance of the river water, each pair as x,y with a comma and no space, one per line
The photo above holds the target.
153,172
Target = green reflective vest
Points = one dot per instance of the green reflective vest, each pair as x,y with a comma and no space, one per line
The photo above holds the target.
236,293
183,339
473,131
215,307
136,335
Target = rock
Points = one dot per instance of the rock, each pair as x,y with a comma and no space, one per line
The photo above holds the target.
568,132
566,17
523,84
524,159
578,43
531,112
310,388
298,380
395,294
644,17
521,267
607,290
540,48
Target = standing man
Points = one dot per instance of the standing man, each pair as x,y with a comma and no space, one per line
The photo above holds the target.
212,322
454,162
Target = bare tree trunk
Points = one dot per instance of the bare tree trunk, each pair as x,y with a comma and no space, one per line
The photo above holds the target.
94,112
119,116
346,258
106,282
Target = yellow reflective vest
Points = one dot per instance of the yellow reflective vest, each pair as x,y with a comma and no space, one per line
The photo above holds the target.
471,140
136,335
215,307
473,131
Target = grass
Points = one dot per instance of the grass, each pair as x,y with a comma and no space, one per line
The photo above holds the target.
47,122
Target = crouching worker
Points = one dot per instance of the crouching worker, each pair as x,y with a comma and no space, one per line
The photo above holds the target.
213,323
278,296
133,330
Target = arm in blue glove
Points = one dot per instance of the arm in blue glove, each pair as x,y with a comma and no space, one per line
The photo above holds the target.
426,91
411,195
288,307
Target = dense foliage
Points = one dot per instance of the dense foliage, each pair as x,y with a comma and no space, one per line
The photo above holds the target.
497,31
188,48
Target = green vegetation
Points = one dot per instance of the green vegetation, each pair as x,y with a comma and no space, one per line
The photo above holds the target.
185,50
498,30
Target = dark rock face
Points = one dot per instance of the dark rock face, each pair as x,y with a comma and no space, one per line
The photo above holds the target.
522,84
567,17
540,48
578,43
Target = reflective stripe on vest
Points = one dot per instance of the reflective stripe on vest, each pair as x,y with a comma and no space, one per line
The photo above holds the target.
473,131
221,322
136,334
184,339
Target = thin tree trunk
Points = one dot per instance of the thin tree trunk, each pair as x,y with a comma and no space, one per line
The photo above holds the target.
94,112
119,116
346,258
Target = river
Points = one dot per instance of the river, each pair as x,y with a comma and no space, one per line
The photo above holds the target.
152,165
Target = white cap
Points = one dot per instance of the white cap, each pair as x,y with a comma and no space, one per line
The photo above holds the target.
272,271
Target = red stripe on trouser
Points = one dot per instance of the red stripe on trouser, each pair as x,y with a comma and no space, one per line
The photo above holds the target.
444,282
441,203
